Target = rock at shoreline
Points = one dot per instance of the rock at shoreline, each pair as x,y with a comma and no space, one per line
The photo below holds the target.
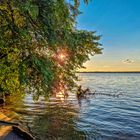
24,134
10,130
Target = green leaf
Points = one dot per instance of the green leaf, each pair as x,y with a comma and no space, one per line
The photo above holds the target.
33,11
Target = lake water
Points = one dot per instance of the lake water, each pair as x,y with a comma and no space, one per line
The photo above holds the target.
98,117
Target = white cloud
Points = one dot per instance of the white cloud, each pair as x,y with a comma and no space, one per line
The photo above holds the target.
127,61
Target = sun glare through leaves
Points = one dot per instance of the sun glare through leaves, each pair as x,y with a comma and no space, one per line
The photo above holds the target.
61,57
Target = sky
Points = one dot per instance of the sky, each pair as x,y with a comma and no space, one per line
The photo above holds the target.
118,21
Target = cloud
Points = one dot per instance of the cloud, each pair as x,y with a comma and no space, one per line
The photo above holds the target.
128,61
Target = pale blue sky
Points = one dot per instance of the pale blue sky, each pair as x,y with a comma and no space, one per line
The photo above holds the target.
119,23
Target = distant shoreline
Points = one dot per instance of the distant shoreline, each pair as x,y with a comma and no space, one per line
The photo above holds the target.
109,72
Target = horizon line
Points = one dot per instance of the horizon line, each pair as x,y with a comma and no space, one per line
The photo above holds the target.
108,71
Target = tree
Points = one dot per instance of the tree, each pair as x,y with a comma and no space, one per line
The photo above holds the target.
40,48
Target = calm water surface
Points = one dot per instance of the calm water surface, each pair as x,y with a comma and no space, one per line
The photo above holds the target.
98,117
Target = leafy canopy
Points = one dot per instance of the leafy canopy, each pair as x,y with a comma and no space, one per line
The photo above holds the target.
40,47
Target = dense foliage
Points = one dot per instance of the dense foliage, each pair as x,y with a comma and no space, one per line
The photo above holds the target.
40,48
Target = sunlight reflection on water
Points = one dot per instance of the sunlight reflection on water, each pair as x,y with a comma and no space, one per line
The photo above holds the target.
97,117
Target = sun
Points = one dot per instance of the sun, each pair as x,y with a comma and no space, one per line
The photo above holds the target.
61,57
